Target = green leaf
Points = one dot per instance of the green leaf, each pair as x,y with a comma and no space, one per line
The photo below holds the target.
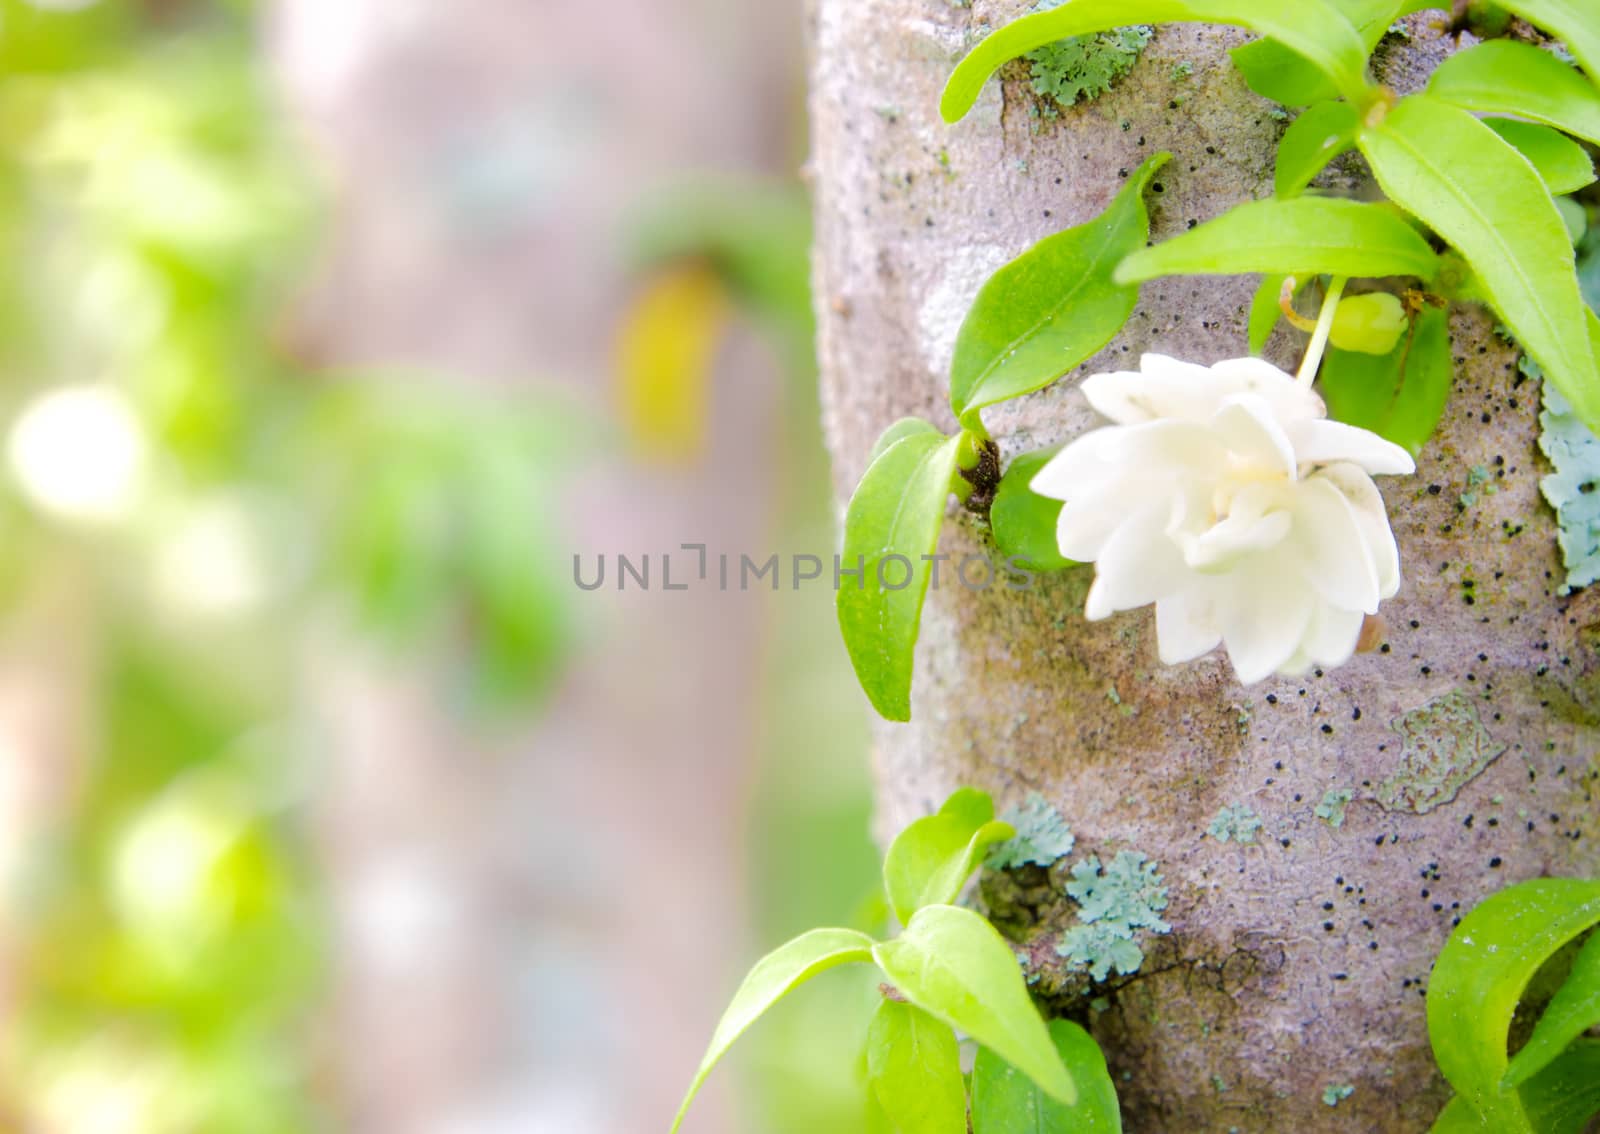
1453,172
914,1067
1564,1096
1303,236
772,978
1321,134
1399,396
930,861
1024,523
1480,976
1507,77
891,527
1459,1118
952,963
1577,218
1274,70
1052,307
1005,1101
1573,1010
905,427
1314,28
1564,166
1266,309
1571,21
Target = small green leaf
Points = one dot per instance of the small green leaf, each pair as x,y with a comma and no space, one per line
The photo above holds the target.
1266,308
1052,307
1453,172
1480,976
1314,28
1573,1010
1024,523
1005,1101
1399,396
905,427
1565,1095
890,530
914,1066
1571,21
930,861
772,978
1319,135
952,963
1507,77
1275,71
1564,165
1303,236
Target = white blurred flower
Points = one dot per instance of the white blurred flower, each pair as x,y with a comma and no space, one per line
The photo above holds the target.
79,453
1226,497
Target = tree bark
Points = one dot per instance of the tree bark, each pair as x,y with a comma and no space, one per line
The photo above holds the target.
1301,961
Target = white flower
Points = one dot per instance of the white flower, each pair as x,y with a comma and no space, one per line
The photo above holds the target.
1226,497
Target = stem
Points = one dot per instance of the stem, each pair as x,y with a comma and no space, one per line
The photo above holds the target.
1286,305
1319,340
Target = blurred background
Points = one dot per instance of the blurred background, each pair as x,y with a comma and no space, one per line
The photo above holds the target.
332,330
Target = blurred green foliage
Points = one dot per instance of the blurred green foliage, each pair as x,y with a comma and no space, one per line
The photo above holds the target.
176,524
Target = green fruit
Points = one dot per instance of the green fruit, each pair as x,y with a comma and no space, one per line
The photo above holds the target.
1369,324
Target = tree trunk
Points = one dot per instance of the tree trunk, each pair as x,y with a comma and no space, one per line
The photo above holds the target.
527,935
1300,961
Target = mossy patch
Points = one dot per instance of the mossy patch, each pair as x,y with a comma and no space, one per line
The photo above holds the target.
1085,66
1572,488
1236,822
1336,1093
1042,837
1332,807
1445,746
1115,901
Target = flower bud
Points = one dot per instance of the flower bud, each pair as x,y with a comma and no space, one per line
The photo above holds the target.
1369,324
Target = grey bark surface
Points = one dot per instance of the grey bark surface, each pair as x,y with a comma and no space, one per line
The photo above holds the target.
1301,961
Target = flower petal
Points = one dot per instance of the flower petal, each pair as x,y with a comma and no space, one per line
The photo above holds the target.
1185,449
1152,453
1084,460
1086,523
1256,522
1264,612
1324,442
1357,488
1138,565
1163,388
1333,549
1186,627
1246,425
1291,402
1332,637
